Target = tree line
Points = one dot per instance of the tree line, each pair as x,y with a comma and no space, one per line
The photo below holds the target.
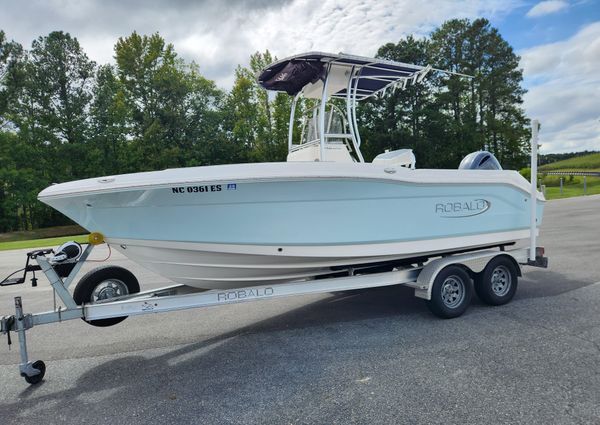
65,117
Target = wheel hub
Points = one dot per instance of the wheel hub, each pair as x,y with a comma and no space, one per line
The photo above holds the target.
109,289
453,291
501,281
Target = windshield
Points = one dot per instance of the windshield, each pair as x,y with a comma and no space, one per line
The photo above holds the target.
336,127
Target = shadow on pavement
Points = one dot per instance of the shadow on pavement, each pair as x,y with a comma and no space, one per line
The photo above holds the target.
267,364
230,368
547,283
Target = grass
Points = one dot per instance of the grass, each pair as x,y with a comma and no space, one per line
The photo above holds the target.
41,243
572,185
42,238
569,190
589,162
43,233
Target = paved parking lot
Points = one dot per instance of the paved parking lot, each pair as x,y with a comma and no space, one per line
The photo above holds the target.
368,357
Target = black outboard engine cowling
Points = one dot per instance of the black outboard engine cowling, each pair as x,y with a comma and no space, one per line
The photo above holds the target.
480,160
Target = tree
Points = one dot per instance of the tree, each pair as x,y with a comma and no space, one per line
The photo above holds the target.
260,119
401,118
52,103
486,109
46,94
169,102
144,64
206,129
11,58
10,189
110,116
447,115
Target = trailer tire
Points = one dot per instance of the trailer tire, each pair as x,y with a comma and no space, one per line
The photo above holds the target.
497,283
105,283
451,292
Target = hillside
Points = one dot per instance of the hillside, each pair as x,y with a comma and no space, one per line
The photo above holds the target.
586,162
548,158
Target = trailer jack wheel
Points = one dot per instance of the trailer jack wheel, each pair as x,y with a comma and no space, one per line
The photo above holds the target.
105,283
34,372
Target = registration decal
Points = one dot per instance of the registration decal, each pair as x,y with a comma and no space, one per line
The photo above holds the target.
197,189
203,188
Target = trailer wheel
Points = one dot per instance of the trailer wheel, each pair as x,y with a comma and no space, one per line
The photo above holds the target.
104,283
36,379
451,292
497,283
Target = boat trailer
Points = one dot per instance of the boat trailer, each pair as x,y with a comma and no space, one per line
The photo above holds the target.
107,295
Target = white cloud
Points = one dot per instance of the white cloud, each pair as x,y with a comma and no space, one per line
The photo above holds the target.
220,35
357,26
547,7
562,77
564,91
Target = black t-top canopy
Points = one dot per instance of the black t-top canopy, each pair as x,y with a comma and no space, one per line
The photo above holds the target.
370,75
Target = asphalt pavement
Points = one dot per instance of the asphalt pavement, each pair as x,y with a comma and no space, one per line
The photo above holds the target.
374,356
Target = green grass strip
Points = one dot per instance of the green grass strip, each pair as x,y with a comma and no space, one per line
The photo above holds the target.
42,243
570,190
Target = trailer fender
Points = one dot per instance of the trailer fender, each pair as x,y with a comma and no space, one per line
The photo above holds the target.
473,262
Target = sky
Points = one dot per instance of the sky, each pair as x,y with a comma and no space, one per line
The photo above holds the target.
558,40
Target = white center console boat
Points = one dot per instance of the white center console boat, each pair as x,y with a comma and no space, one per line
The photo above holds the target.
323,210
323,221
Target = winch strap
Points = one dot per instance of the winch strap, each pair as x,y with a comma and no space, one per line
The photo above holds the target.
9,324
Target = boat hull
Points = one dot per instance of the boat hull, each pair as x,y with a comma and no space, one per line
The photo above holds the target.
229,231
219,266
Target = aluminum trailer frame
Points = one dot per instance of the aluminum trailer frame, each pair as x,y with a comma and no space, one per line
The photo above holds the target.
178,297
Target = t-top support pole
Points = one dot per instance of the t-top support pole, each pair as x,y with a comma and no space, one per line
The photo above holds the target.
535,125
291,128
322,117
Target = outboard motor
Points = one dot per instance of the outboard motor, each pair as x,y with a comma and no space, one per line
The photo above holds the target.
480,160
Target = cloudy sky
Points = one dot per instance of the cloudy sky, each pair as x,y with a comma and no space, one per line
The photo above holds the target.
558,40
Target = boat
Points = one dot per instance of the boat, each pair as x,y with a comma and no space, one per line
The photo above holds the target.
323,212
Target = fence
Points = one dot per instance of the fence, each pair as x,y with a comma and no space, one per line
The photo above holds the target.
584,174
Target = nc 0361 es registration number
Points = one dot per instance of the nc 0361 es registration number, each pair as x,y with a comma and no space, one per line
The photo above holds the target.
198,189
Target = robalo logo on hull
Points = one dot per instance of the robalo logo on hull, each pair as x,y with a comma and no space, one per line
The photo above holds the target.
459,209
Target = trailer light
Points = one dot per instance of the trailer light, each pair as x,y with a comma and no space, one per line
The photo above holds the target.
96,238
